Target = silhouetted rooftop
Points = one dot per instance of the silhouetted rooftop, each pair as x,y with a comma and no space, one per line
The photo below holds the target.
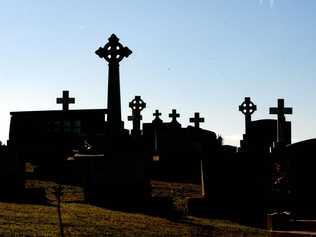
59,111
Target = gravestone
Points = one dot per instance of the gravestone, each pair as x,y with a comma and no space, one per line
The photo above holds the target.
247,108
281,111
65,100
257,157
117,177
197,120
252,161
157,123
262,135
113,52
174,123
137,105
157,120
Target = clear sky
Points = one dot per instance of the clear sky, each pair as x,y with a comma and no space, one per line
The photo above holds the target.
194,56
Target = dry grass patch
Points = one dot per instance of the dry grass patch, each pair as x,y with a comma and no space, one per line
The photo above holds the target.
86,220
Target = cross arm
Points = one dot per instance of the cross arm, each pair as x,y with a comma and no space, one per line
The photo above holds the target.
288,111
100,52
273,111
126,52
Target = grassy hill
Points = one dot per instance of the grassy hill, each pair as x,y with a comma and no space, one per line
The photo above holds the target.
86,220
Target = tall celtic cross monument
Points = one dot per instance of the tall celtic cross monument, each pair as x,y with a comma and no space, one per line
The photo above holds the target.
113,52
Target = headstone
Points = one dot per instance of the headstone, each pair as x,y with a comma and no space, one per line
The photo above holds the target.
65,100
157,120
281,111
137,105
197,120
113,52
174,115
247,108
118,176
157,124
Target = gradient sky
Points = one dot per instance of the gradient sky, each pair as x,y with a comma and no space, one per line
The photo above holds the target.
194,56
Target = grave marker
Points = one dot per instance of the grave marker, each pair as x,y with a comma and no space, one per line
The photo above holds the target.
197,120
137,105
65,100
113,52
281,111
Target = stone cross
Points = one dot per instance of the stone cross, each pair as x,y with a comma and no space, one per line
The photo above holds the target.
197,120
247,108
65,100
174,115
137,105
281,111
157,115
113,52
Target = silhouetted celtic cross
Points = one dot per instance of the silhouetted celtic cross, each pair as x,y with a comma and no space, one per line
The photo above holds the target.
247,107
137,104
113,51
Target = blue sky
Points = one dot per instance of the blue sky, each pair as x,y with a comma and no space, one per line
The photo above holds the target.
194,56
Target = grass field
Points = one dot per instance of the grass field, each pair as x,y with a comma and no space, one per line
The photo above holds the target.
85,220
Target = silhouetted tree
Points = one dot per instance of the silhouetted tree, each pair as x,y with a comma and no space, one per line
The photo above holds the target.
58,192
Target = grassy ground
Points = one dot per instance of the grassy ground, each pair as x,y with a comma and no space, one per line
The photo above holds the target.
85,220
